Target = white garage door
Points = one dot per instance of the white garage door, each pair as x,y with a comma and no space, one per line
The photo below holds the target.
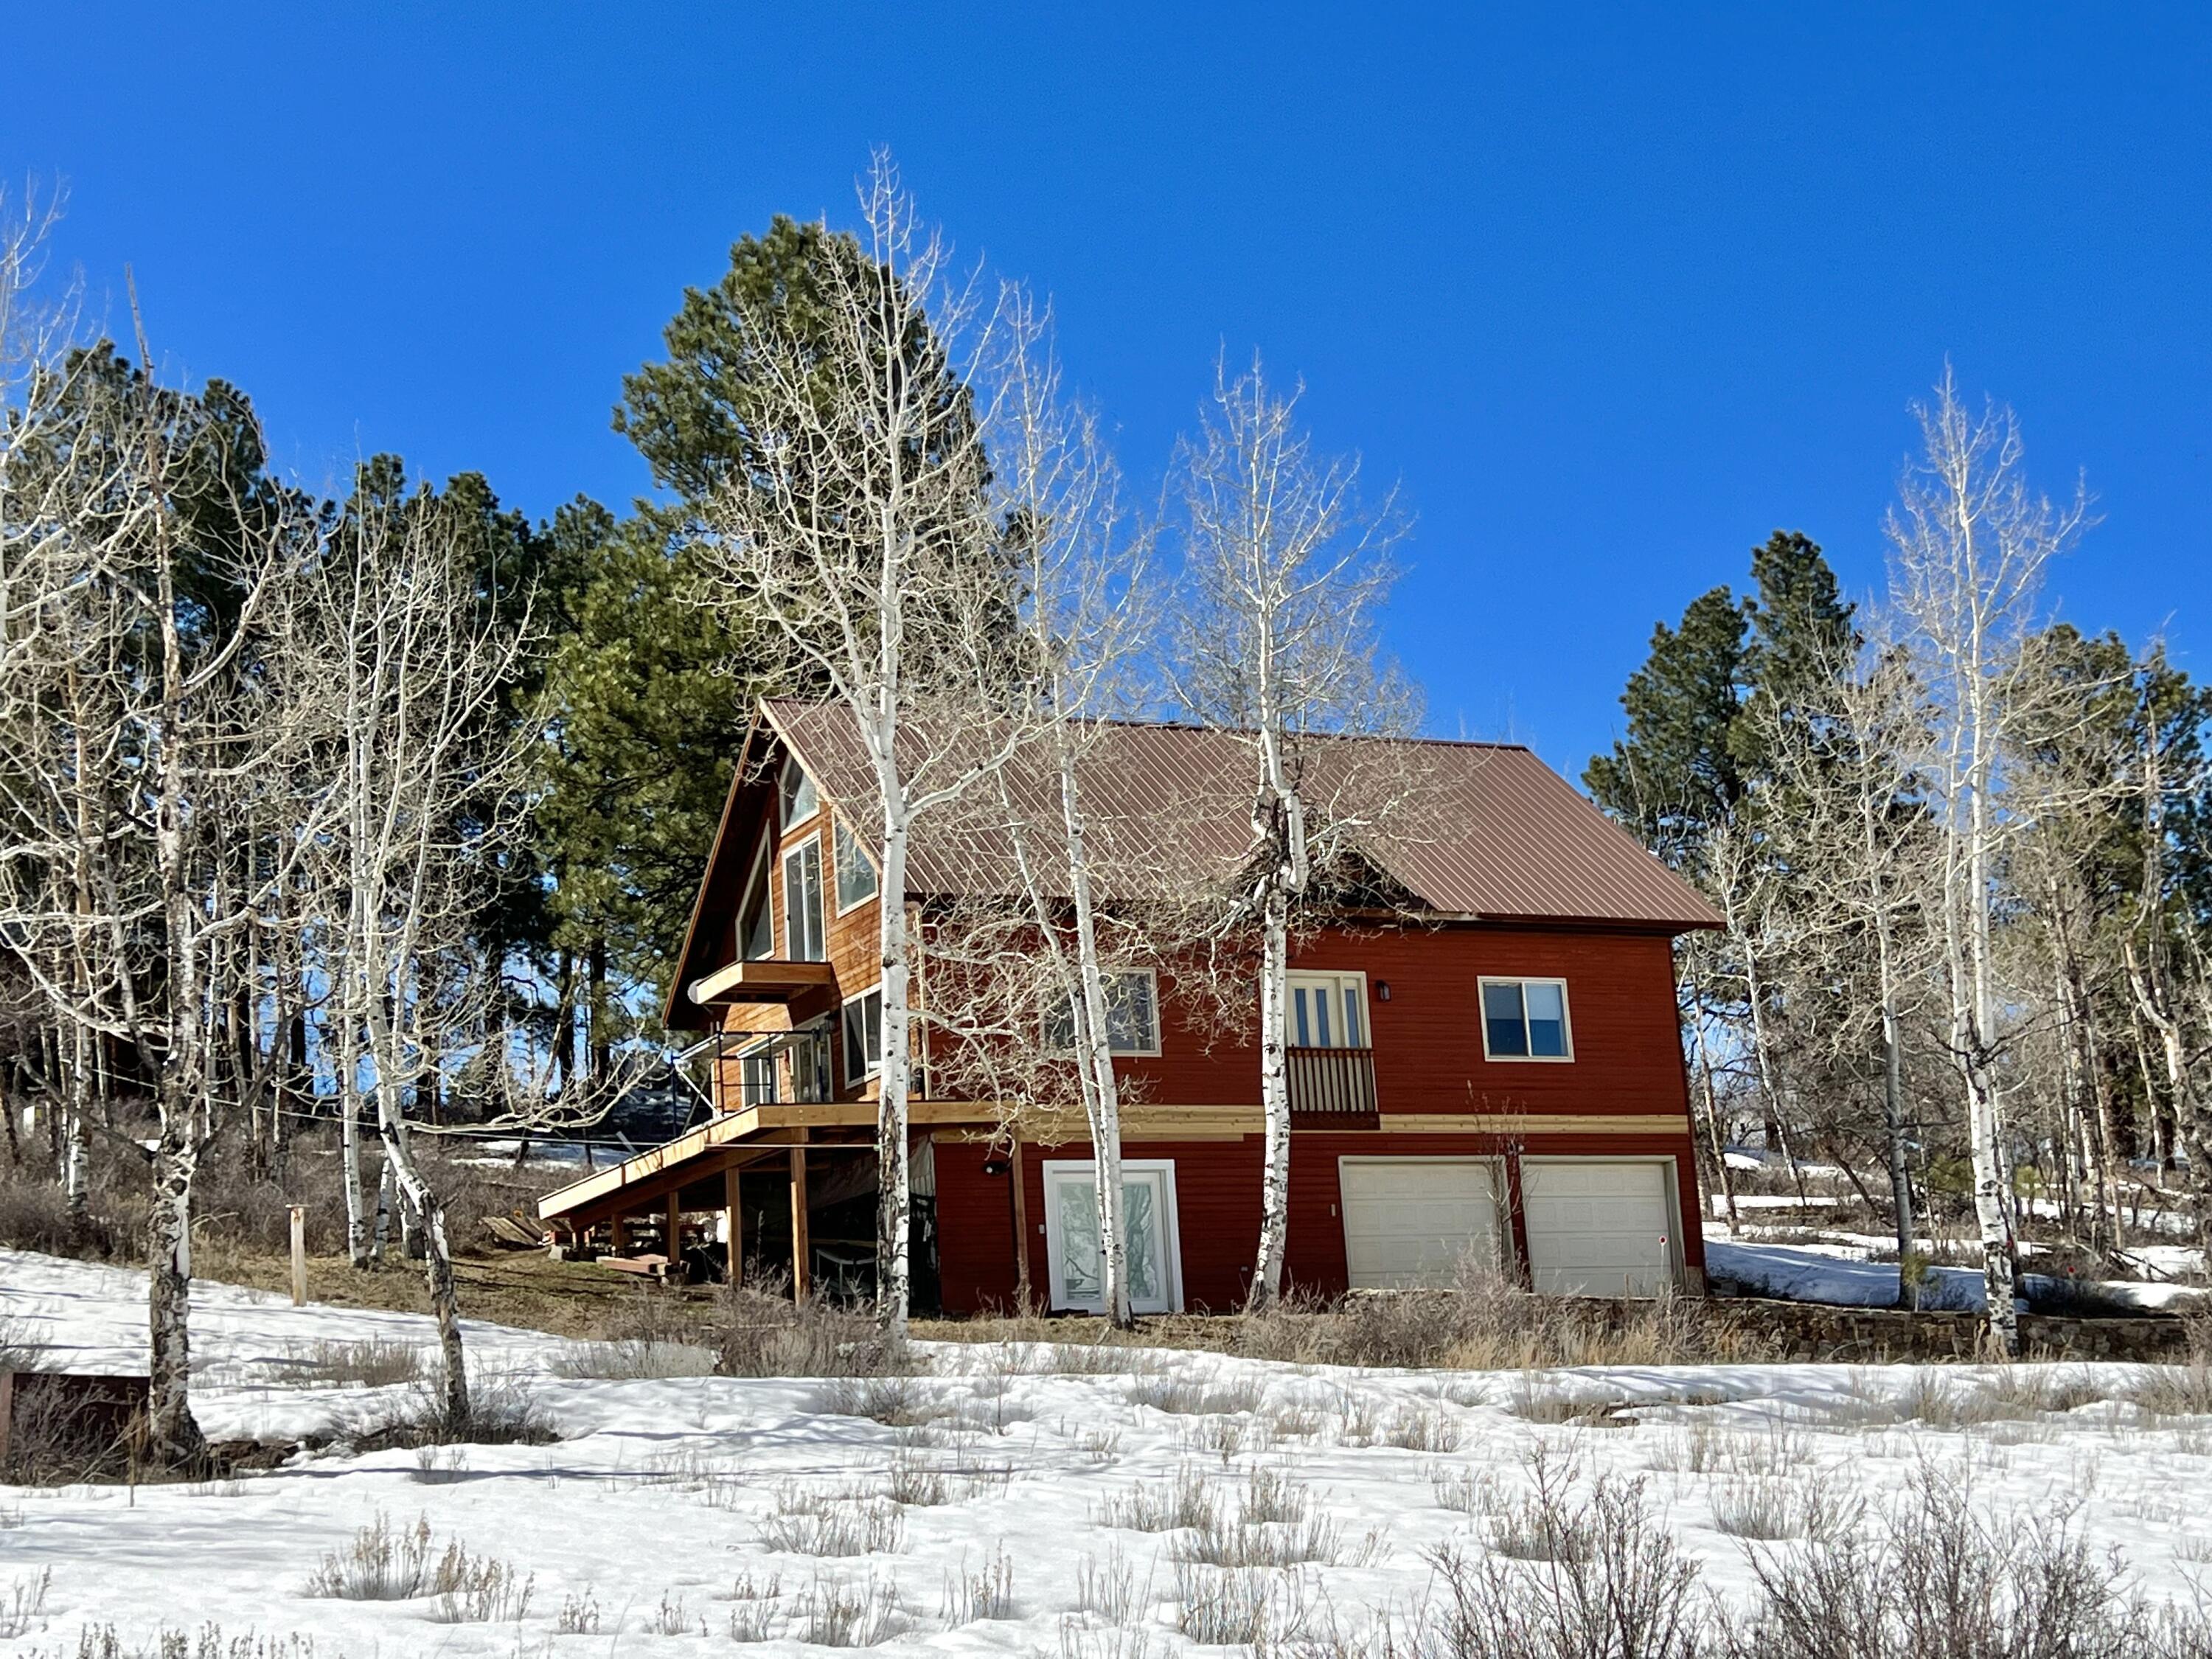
1598,1229
1407,1222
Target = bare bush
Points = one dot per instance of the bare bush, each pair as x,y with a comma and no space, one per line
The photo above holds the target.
847,1614
811,1522
1184,1500
758,1333
1600,1579
502,1411
376,1362
1934,1579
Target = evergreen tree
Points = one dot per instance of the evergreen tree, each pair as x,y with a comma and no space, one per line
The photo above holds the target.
1675,775
651,694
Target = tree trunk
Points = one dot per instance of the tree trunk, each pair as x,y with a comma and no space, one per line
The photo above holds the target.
437,1259
1102,1091
894,1199
175,1433
1275,1104
1713,1126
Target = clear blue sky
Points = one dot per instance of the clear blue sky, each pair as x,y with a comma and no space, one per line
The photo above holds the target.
1613,293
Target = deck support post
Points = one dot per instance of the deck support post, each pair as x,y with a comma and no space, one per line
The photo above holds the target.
800,1251
674,1245
1015,1174
733,1224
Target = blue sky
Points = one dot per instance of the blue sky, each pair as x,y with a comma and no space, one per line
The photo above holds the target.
1612,293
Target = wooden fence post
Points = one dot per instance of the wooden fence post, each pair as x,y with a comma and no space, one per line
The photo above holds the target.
299,1255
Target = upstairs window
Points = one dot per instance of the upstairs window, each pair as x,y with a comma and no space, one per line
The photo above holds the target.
1329,1011
797,794
1526,1020
856,877
1133,1017
755,925
864,1037
802,936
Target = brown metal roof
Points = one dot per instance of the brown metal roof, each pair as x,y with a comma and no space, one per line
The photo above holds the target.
1478,830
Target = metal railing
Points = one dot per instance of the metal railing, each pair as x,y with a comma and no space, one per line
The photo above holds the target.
1335,1083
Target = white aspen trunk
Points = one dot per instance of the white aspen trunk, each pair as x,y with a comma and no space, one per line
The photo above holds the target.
1102,1093
175,1433
357,1242
894,1199
437,1260
1274,1105
381,1238
1713,1125
1974,1012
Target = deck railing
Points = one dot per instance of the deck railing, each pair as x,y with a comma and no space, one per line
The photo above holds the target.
1333,1082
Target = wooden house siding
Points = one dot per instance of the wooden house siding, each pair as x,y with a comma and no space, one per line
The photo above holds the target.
1217,1206
1427,1038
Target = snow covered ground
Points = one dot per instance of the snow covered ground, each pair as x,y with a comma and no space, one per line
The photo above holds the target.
1011,1498
1835,1269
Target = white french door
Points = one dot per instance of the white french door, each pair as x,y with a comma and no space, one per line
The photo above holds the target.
1148,1215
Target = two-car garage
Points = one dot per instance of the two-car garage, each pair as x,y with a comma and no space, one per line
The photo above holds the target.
1595,1226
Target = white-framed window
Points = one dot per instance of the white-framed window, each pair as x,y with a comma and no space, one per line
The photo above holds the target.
797,798
856,872
1133,1017
755,920
1329,1011
864,1036
809,1059
803,939
759,1080
1152,1241
1526,1020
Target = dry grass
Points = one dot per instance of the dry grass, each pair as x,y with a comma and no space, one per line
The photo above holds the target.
384,1563
810,1521
1184,1500
377,1363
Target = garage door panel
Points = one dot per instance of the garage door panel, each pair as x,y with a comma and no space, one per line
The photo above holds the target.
1407,1222
1598,1228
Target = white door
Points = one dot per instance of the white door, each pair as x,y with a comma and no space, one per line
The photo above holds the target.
1071,1230
1409,1222
1598,1228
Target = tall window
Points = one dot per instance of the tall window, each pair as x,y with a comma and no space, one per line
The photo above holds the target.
1133,1017
756,926
1329,1011
856,877
1526,1020
797,794
809,1059
864,1036
802,902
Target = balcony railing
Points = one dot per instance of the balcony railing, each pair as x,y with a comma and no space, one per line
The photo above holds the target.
1335,1084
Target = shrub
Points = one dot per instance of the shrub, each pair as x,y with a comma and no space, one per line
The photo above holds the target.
817,1524
502,1411
379,1362
757,1333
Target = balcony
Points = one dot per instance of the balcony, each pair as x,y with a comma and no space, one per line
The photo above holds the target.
763,979
1334,1088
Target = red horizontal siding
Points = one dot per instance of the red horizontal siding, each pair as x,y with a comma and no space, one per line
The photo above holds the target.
1217,1206
1428,1036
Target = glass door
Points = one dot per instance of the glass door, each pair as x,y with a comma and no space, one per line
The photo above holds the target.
1072,1236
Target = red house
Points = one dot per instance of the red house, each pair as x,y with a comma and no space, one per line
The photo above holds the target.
1495,1069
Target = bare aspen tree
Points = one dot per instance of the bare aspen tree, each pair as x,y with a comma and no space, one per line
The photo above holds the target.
412,669
1283,573
1970,545
1849,803
157,746
867,549
1049,960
